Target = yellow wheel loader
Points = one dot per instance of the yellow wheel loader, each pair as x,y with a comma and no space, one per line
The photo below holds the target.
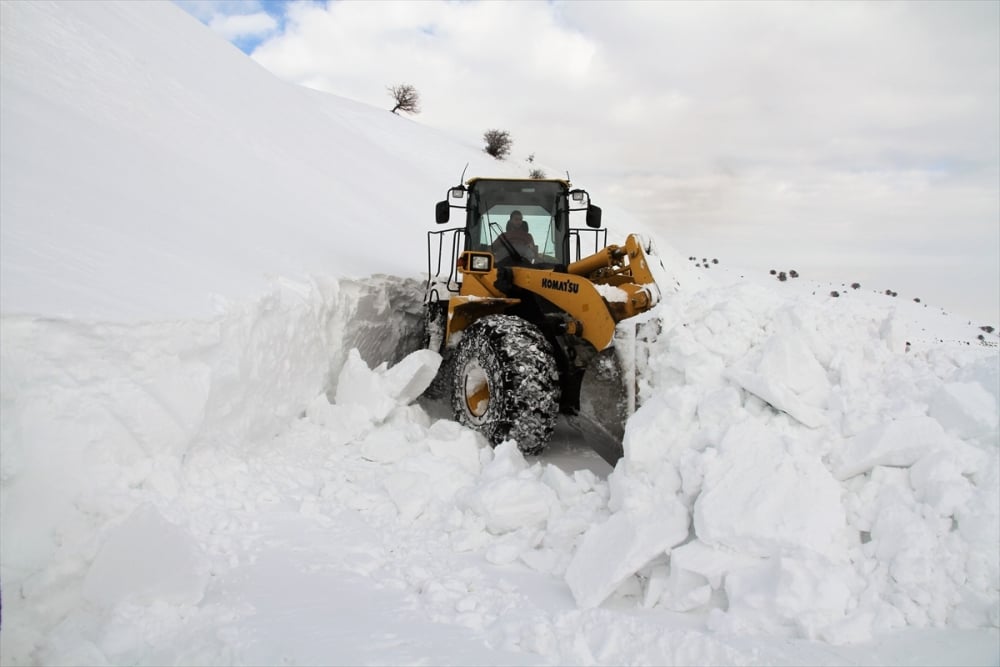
516,310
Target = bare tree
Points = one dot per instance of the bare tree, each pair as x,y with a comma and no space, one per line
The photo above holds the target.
406,98
498,143
536,173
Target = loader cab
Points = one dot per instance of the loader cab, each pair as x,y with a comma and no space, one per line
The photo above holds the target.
545,205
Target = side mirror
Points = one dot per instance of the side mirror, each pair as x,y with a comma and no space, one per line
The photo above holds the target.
594,216
442,212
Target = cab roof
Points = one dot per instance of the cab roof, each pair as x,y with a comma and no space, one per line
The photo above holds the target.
472,181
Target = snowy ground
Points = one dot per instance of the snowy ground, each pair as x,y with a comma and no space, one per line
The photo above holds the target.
809,479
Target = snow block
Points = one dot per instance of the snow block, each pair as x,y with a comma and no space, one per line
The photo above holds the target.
378,392
938,482
452,441
685,591
965,409
382,446
761,496
709,561
615,550
409,491
898,443
658,424
507,461
147,559
510,503
408,379
786,374
342,423
986,372
361,387
806,593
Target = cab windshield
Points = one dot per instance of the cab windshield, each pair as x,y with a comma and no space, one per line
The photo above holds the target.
541,205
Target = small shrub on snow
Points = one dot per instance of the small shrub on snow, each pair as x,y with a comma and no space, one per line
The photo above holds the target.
498,143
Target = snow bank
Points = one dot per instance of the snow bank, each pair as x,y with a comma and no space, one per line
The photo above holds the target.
99,419
839,486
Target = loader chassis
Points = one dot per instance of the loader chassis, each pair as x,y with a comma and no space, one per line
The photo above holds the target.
517,333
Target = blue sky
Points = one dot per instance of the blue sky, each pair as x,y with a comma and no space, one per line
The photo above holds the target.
208,10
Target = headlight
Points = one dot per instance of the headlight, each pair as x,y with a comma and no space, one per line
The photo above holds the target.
480,263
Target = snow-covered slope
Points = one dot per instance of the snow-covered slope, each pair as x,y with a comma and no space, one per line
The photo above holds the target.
189,480
148,164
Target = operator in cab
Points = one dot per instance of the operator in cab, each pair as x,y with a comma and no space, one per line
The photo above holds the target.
517,237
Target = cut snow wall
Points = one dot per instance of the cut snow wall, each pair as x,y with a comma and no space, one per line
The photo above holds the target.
94,413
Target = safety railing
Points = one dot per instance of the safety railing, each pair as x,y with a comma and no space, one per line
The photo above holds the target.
443,249
579,244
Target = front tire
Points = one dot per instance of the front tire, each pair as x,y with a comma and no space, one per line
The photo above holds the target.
506,384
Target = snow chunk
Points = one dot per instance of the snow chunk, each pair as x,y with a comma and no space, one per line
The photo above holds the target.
786,374
507,504
361,387
385,447
409,492
965,409
654,426
615,550
986,372
611,293
899,443
342,423
408,379
377,392
760,496
507,461
147,559
805,594
711,562
695,570
938,481
509,496
449,440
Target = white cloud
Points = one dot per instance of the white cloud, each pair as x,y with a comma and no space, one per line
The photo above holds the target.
238,26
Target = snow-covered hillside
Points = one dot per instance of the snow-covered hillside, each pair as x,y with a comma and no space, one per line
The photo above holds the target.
100,179
197,468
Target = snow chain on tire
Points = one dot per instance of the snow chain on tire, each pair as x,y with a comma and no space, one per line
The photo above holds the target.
506,384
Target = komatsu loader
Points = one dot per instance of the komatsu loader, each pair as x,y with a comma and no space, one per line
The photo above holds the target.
515,309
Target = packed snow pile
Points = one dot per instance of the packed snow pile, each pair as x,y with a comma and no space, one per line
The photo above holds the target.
837,486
